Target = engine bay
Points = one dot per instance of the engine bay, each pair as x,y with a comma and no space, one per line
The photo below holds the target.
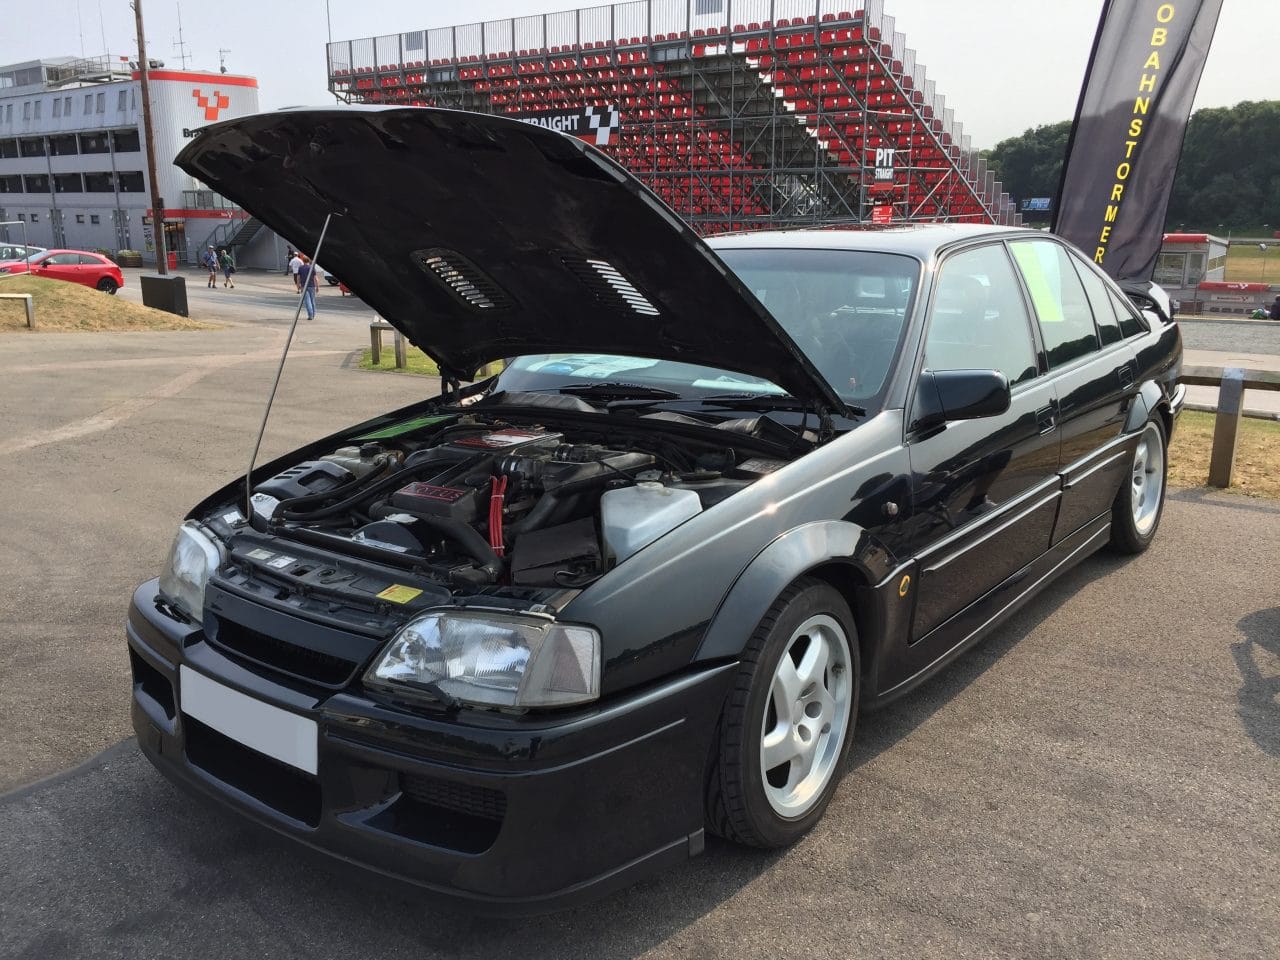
478,504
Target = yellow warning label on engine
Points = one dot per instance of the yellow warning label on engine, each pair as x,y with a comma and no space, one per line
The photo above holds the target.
397,593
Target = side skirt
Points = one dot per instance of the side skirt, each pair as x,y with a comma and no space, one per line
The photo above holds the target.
987,613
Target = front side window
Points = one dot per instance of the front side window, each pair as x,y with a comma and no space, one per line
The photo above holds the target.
845,309
979,320
1066,321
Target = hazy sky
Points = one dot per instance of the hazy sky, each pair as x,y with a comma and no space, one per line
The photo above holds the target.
1003,65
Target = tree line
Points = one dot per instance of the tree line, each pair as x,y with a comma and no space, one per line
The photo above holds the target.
1229,172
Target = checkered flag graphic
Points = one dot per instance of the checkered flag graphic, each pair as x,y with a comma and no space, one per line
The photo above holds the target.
606,122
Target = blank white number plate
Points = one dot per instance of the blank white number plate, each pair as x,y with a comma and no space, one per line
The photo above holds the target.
278,733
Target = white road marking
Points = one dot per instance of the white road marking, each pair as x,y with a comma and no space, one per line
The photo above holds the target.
114,414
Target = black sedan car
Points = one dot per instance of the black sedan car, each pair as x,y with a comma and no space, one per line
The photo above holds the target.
526,641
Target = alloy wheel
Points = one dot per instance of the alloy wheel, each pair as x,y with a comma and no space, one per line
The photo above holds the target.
1147,480
805,722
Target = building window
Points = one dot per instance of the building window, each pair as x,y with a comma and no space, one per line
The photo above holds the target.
102,103
8,149
130,182
67,183
93,218
88,103
57,106
39,104
26,110
79,218
62,146
22,217
11,184
31,147
66,106
98,183
122,100
35,218
36,183
94,143
126,141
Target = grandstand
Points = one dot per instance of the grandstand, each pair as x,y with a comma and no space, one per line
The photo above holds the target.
740,114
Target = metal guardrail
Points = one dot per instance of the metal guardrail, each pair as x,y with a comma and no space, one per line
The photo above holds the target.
1231,383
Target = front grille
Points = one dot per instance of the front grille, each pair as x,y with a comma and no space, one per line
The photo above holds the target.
281,787
475,801
297,661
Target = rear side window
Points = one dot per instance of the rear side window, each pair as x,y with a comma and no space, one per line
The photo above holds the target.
979,319
1066,320
87,259
1104,314
1130,325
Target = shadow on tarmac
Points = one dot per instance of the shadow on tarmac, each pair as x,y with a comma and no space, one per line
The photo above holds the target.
1260,694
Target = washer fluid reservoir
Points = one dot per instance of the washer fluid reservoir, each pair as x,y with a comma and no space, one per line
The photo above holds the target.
633,517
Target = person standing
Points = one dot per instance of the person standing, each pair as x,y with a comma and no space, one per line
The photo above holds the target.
295,264
228,267
309,280
210,260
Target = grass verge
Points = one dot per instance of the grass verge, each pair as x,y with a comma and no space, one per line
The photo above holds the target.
1257,469
69,307
1248,264
415,362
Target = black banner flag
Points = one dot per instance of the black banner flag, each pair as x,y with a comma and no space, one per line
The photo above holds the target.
1130,122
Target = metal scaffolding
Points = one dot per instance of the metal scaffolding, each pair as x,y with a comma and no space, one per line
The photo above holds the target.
740,114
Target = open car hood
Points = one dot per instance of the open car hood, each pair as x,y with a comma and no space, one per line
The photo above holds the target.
481,237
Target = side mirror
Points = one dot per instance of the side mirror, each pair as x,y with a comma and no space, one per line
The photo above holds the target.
944,395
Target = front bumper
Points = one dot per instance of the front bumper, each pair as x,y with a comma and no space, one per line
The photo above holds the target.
495,813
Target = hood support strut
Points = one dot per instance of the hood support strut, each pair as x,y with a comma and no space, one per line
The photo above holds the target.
275,384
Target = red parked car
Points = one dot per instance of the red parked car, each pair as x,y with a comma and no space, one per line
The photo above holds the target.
78,266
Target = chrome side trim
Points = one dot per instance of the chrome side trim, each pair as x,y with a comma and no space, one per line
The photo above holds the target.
1002,522
1068,484
977,631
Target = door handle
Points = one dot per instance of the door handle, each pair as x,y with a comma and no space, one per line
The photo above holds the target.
1126,373
1045,419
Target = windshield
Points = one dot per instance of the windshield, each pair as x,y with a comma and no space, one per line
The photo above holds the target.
846,309
551,371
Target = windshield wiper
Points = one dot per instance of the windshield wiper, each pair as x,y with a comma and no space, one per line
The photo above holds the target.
617,390
769,401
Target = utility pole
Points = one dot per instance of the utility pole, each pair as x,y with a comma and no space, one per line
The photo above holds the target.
157,205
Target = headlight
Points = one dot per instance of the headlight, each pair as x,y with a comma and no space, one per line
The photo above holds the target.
192,559
492,659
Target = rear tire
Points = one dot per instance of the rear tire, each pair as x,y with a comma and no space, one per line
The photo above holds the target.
787,725
107,285
1139,504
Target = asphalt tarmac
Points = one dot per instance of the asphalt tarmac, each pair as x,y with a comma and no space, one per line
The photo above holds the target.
1098,779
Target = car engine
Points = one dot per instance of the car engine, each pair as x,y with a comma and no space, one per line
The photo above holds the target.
482,505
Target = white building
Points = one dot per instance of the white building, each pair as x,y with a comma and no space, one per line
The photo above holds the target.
73,161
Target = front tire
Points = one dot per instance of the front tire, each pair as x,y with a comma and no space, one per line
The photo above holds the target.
107,285
1139,504
787,725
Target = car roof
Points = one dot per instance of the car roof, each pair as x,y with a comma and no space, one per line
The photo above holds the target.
921,240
